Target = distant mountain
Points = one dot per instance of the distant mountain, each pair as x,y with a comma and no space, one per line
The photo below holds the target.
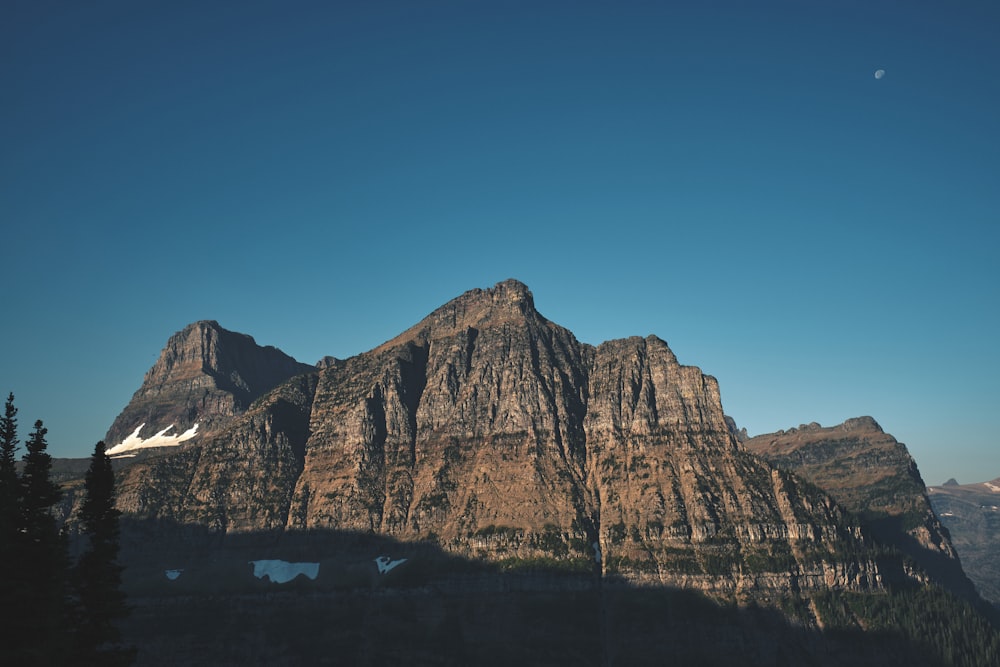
872,475
971,512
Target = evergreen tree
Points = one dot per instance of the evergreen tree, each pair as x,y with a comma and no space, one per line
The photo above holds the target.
9,487
40,611
98,575
9,523
38,492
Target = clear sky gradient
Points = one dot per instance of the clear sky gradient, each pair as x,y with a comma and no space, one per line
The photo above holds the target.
729,176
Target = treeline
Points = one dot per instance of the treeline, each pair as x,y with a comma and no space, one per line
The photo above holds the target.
57,611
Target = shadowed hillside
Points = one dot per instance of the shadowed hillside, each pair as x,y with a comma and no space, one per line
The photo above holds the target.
439,609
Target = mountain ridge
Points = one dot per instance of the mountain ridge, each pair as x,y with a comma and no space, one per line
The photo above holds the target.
494,432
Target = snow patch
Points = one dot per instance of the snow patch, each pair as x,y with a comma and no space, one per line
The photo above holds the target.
385,564
161,439
992,487
172,574
281,571
947,514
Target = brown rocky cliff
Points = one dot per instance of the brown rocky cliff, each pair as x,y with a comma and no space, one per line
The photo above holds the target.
205,375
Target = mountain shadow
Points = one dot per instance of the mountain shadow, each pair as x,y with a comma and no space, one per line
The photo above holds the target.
196,601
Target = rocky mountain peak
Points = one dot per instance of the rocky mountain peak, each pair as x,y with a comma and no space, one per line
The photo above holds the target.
204,375
861,424
507,302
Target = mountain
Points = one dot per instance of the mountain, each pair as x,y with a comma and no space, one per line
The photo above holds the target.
971,512
203,378
498,458
871,474
493,432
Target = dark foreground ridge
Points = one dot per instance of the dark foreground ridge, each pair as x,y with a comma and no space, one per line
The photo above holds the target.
439,609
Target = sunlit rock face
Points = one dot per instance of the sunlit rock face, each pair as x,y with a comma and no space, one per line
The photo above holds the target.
493,432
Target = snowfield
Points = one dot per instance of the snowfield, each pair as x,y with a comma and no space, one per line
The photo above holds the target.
160,439
385,564
281,571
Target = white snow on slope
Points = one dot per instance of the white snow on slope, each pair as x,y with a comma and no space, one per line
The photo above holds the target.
385,563
992,487
160,439
281,571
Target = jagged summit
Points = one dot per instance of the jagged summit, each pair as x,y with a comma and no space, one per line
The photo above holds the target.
509,301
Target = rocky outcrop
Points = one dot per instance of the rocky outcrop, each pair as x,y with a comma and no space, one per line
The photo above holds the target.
205,375
495,433
971,513
872,475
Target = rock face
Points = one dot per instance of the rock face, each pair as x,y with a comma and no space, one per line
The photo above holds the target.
971,512
873,476
205,375
493,432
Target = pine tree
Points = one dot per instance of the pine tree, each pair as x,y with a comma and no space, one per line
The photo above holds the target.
40,621
38,493
98,575
9,488
10,536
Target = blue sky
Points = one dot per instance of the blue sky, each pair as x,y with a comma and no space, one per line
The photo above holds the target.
729,176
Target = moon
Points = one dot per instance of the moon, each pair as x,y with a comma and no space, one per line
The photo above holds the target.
879,73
